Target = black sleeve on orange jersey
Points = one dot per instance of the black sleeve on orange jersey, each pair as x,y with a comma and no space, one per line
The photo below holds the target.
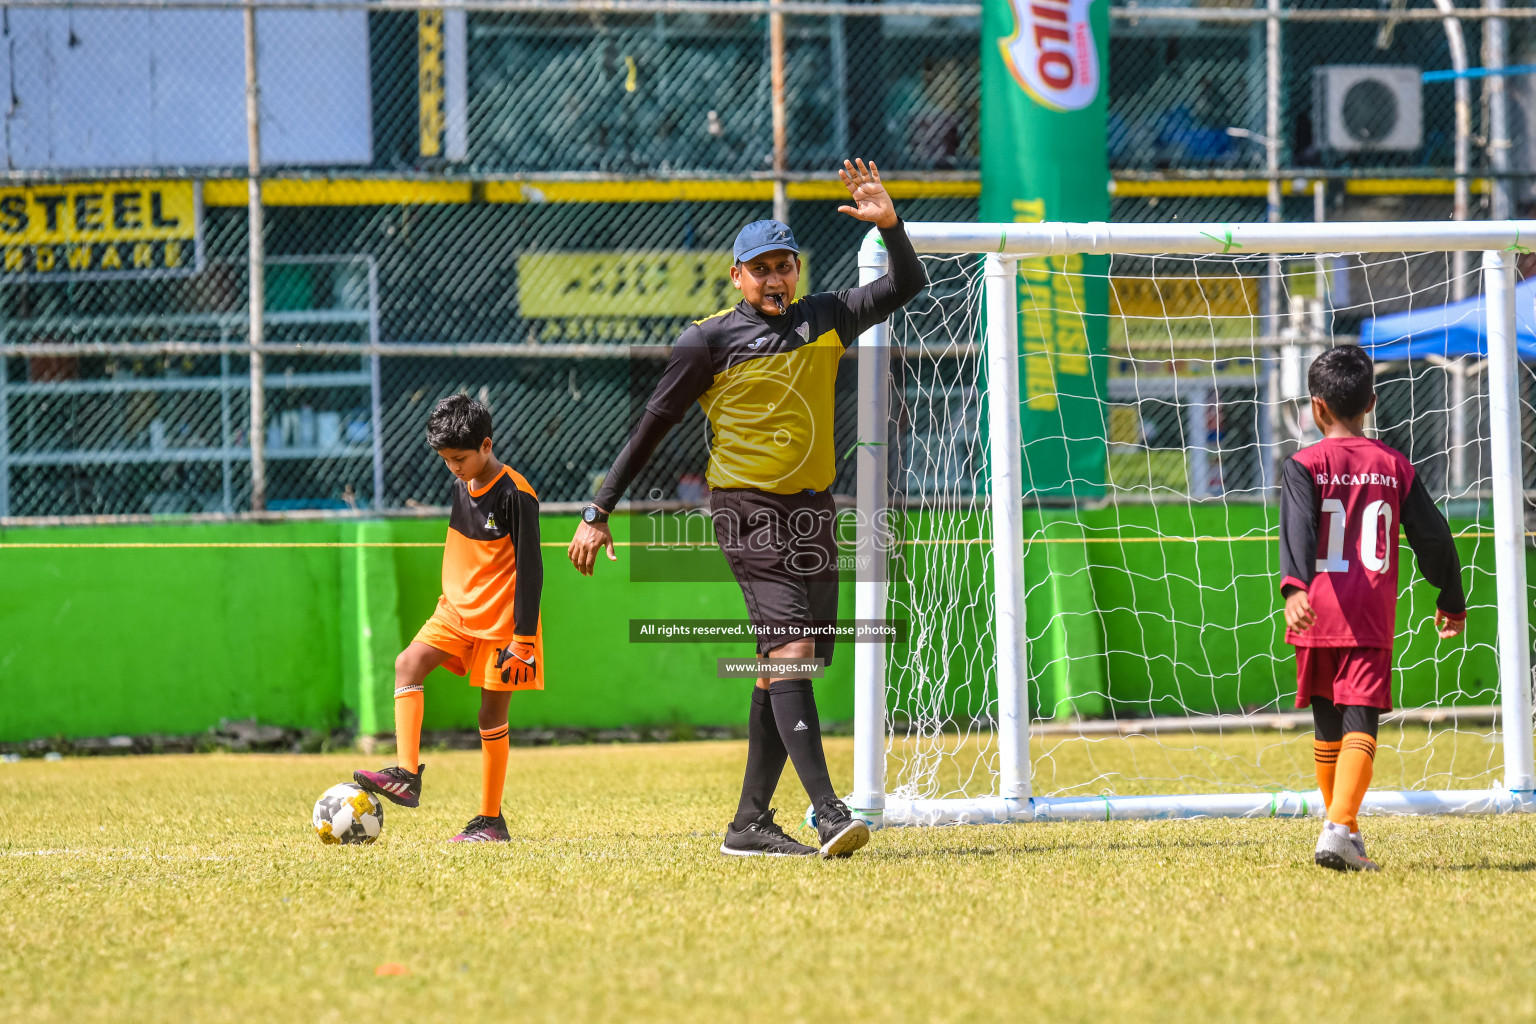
856,310
1430,537
530,563
1298,525
637,452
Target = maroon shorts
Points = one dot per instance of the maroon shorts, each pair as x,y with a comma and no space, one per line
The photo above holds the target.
1345,675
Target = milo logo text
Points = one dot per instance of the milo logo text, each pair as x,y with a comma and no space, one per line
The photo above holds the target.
1052,54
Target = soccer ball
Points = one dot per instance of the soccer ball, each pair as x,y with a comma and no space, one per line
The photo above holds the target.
345,814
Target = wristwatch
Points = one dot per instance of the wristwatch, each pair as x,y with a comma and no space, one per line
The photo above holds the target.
592,515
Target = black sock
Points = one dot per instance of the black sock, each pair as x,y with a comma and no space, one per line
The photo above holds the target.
765,761
794,708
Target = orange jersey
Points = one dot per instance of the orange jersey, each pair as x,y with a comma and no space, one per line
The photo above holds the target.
493,573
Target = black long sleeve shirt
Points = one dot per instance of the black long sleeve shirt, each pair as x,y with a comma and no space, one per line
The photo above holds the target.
766,383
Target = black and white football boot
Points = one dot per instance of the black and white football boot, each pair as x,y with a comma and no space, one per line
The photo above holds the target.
841,833
763,838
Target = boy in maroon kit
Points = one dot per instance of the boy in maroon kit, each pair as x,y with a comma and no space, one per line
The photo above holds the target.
1341,501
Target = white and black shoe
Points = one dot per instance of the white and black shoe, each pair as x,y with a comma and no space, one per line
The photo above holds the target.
1338,850
762,838
841,833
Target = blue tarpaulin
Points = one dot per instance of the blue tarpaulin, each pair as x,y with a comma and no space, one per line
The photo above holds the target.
1455,329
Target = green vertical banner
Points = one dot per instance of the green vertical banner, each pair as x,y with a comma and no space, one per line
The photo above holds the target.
1044,156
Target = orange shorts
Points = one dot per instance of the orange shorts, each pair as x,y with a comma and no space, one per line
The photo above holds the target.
475,656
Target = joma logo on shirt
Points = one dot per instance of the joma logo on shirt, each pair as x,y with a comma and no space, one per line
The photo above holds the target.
1355,479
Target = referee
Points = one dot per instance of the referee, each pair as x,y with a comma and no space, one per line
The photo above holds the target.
764,372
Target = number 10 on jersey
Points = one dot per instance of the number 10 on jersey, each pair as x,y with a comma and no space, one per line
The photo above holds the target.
1377,522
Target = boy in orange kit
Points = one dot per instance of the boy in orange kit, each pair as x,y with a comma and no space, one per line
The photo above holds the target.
486,624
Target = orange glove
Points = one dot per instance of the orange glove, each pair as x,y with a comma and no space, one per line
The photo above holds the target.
515,663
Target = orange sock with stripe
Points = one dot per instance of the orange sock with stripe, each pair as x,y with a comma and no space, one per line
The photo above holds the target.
410,704
493,769
1325,757
1357,757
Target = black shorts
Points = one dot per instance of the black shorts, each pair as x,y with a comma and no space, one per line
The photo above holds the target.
782,549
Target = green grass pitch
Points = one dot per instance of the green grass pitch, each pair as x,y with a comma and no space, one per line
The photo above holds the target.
192,888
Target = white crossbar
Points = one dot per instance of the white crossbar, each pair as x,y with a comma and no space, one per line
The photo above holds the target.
1240,239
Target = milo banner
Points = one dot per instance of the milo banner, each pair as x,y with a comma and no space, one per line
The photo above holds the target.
1043,157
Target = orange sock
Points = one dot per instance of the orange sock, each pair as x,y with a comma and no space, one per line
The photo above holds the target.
1356,759
1325,756
493,769
410,703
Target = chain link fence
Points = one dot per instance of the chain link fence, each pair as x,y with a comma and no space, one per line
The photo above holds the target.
1200,406
474,198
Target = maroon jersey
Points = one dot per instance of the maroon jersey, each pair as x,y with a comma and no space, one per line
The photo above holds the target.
1341,503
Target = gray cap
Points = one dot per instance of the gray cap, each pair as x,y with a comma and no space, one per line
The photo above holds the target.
763,236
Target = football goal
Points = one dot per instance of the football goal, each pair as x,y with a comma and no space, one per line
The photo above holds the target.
1067,462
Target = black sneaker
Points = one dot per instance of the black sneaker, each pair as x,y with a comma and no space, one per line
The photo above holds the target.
482,829
762,838
841,833
393,783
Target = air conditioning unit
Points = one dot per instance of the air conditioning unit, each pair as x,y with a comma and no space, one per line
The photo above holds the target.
1367,108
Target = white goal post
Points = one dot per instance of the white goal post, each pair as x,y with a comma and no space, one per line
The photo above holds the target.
997,248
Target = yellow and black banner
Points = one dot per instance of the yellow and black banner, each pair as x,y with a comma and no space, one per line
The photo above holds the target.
674,283
690,283
430,84
101,230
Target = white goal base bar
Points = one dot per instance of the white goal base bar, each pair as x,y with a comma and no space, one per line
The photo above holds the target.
996,810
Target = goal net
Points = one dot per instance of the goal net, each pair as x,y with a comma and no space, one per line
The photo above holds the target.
1081,518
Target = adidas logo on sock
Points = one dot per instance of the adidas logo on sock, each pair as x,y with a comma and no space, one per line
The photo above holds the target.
800,726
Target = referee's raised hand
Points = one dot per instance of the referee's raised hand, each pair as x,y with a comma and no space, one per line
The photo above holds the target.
872,202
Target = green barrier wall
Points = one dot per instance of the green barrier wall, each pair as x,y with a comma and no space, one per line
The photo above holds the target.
1196,626
1186,627
97,642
